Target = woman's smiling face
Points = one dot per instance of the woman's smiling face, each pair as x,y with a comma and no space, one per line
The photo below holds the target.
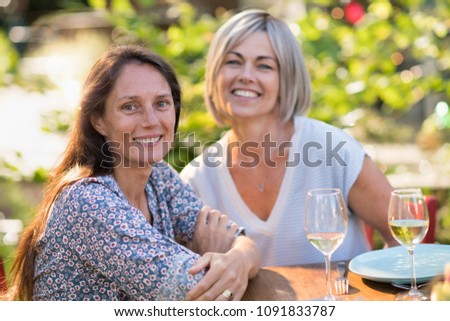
248,81
139,118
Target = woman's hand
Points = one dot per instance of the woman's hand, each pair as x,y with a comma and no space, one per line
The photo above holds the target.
229,271
212,232
224,272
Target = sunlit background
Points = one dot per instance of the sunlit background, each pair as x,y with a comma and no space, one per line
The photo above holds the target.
380,70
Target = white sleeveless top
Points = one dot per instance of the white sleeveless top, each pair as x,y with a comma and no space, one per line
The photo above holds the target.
321,156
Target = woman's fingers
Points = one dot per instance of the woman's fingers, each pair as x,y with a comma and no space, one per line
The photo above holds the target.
201,264
208,280
214,218
233,229
213,282
203,215
213,288
219,288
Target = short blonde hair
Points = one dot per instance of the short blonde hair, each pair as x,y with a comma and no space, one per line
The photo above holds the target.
295,84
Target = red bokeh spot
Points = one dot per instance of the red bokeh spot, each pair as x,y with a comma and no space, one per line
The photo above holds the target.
354,11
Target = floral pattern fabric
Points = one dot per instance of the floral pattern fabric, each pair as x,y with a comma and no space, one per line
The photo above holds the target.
97,246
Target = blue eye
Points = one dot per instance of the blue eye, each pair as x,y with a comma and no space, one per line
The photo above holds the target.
129,107
232,62
263,66
162,104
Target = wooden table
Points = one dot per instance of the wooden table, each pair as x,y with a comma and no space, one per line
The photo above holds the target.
307,282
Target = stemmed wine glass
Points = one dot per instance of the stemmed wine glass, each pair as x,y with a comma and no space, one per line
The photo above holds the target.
408,222
326,225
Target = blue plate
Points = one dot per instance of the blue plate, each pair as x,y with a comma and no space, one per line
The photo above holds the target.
393,264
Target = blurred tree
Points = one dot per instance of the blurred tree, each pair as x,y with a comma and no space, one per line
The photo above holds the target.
8,60
379,57
388,58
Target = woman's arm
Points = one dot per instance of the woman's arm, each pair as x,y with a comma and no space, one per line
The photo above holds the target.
116,239
369,199
229,261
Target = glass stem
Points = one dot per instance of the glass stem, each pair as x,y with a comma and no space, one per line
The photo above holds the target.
329,295
413,270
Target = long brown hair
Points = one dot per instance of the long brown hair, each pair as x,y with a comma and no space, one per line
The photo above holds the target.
86,153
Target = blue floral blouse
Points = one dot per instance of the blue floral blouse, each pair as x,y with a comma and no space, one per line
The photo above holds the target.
97,246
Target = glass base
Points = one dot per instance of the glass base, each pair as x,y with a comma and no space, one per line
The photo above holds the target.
411,296
329,297
325,298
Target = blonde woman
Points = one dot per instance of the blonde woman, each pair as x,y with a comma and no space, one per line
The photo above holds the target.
260,171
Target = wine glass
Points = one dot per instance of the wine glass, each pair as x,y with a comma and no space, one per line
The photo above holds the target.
408,222
326,225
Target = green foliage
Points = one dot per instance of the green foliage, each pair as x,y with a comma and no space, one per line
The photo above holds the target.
8,169
389,60
371,127
385,64
8,59
16,202
57,121
40,175
116,5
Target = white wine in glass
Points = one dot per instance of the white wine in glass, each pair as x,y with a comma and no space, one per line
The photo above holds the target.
408,222
326,225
